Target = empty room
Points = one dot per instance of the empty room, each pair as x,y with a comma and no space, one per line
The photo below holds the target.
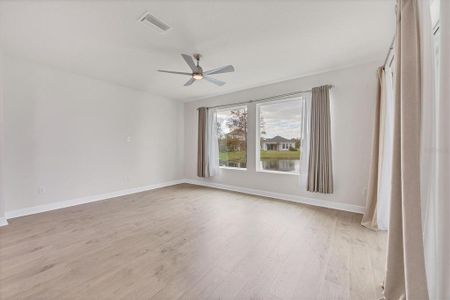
213,149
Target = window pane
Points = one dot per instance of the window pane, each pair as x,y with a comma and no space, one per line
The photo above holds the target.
232,134
280,135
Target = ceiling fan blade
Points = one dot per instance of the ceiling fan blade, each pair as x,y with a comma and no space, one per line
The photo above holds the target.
189,82
224,69
174,72
213,80
188,59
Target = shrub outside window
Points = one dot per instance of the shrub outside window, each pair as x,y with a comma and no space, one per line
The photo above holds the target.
232,137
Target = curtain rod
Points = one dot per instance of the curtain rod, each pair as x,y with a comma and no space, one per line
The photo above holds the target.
391,47
276,97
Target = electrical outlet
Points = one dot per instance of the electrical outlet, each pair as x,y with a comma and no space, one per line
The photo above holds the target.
128,139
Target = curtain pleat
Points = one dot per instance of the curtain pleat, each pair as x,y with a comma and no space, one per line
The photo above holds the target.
208,148
212,144
378,191
443,157
320,168
405,269
369,219
385,164
435,160
201,148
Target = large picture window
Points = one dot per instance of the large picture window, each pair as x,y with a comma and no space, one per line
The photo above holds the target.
281,135
232,135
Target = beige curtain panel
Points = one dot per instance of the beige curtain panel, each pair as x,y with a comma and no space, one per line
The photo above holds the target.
320,167
405,268
201,150
370,216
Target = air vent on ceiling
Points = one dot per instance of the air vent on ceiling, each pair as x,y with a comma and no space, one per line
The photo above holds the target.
158,24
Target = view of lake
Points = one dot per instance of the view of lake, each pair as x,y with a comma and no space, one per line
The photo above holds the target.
281,165
233,164
280,136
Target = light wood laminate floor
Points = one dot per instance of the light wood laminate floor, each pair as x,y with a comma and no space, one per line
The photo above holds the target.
190,242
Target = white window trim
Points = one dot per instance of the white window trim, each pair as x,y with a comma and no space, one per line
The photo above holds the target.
233,168
303,162
259,170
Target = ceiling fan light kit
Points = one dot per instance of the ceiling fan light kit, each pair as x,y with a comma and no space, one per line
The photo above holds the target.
197,71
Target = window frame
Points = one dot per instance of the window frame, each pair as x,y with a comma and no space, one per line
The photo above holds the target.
302,170
229,108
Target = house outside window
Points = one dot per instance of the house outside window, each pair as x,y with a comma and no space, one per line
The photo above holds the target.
281,135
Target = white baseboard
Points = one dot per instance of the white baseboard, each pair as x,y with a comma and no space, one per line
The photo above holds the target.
72,202
280,196
3,222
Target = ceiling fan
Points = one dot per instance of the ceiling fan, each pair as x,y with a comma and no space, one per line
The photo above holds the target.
197,71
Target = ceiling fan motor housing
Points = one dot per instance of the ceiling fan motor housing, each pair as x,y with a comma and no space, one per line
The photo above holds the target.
199,71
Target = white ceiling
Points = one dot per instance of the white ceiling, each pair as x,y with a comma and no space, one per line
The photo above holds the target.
266,41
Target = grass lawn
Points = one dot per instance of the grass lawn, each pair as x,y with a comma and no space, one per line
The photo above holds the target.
280,154
233,156
240,156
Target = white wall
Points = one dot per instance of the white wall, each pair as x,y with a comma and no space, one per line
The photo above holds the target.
69,136
353,106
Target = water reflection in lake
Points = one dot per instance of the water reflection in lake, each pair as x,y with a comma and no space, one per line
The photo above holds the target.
233,164
281,165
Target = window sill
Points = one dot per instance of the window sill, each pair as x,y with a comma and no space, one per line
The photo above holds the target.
279,172
233,168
